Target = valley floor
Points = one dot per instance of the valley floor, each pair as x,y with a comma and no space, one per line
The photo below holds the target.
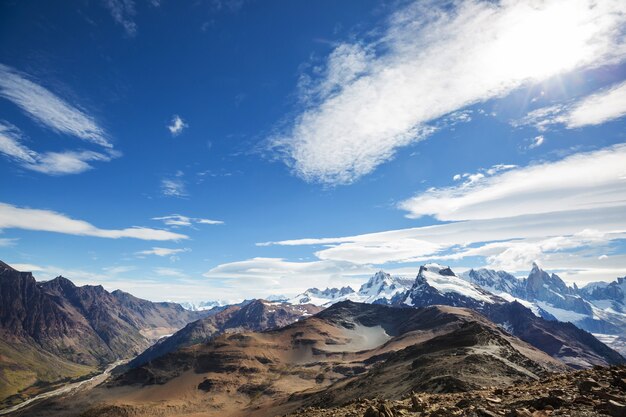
84,384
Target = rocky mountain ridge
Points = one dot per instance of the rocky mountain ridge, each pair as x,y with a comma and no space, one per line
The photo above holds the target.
55,329
257,315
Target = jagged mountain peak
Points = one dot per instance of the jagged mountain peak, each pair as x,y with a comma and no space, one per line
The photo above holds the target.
382,283
379,277
321,297
500,283
540,281
435,267
6,266
58,282
380,288
438,284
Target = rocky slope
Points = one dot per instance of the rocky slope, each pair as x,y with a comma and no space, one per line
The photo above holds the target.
257,315
54,330
590,393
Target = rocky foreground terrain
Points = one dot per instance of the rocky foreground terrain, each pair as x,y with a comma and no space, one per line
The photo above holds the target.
593,392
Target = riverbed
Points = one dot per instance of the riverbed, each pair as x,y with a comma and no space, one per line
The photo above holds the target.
67,389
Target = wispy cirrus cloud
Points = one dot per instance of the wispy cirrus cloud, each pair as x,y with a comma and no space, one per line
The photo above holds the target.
12,217
565,213
6,241
51,163
433,59
162,251
264,276
26,267
177,125
54,113
170,272
178,220
594,109
123,12
582,181
174,186
536,142
509,243
49,109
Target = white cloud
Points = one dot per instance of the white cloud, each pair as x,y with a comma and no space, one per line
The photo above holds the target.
5,242
582,181
518,254
25,267
67,162
120,269
397,250
264,276
123,12
536,142
564,214
176,286
174,187
543,233
51,111
432,60
12,217
11,146
601,107
177,125
48,109
162,251
170,272
209,221
178,220
51,163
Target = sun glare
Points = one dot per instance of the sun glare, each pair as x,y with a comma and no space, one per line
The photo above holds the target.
543,41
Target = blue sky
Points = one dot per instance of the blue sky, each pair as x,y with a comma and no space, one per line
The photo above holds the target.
230,149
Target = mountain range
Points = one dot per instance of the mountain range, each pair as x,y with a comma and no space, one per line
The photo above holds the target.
55,330
439,332
256,315
347,351
599,308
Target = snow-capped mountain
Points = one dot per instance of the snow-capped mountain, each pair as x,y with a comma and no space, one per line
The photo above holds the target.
381,288
607,294
277,298
319,297
546,294
202,305
436,284
551,290
598,308
497,282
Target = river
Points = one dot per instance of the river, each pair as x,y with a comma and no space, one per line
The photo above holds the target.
75,386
